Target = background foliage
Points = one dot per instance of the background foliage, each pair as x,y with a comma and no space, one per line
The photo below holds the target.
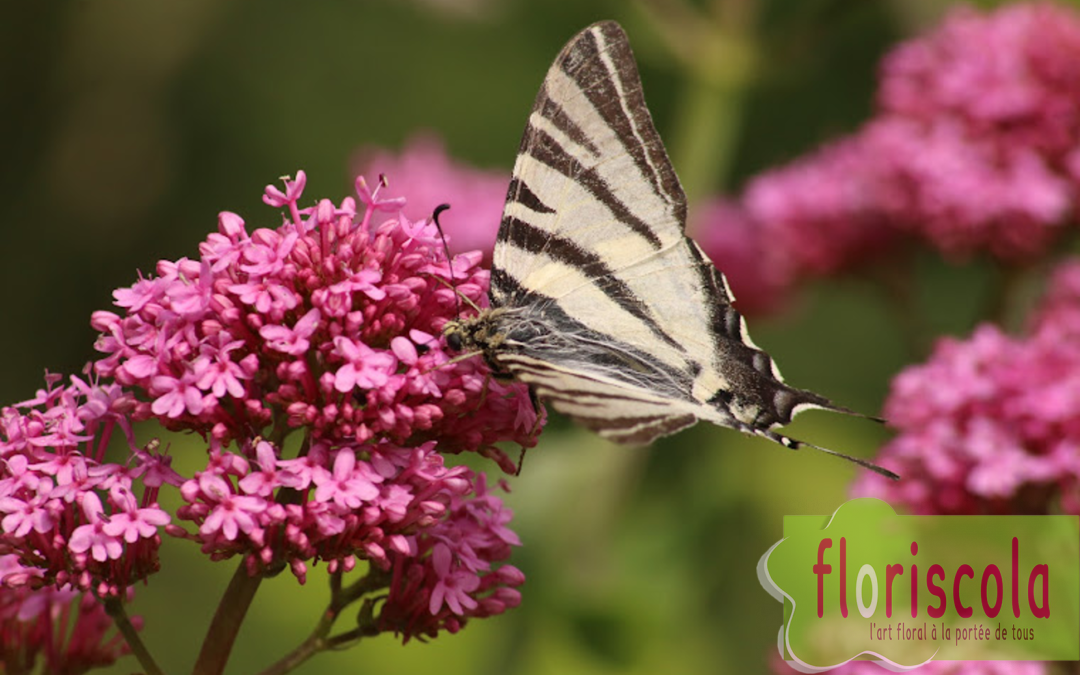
127,125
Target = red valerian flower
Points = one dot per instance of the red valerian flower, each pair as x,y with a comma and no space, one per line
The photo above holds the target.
70,516
328,326
988,424
63,629
974,148
304,319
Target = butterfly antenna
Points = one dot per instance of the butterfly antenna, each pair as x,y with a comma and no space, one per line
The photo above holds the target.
794,444
459,295
446,249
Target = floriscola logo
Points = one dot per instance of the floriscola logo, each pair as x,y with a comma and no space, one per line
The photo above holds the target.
870,584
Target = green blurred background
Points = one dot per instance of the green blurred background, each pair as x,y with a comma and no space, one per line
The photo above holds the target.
127,125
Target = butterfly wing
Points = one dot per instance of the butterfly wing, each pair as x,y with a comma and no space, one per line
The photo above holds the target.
608,310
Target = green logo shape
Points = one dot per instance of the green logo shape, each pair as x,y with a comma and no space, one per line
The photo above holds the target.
870,584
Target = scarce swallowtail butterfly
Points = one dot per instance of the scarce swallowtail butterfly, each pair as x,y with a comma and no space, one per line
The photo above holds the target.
599,301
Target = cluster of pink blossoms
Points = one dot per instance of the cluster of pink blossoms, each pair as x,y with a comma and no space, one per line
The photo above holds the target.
327,327
324,323
442,581
73,525
973,148
989,424
68,631
69,516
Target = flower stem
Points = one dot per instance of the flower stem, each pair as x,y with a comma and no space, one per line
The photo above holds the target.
340,598
227,620
114,607
896,279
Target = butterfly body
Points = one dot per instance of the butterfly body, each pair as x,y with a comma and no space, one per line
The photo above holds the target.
619,388
599,301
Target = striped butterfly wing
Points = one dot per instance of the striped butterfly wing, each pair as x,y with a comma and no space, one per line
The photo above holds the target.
600,302
592,243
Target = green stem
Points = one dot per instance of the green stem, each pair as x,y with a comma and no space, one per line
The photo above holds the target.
705,133
340,598
114,607
308,648
225,626
896,278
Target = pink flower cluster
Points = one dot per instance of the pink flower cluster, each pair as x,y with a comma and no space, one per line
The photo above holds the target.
328,328
378,501
69,516
984,119
68,631
974,148
321,324
476,196
447,574
989,424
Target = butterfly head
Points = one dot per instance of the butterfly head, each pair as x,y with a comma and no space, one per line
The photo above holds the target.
479,335
455,335
476,333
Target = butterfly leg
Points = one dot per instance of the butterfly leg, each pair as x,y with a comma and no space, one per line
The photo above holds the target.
535,402
484,392
499,376
535,406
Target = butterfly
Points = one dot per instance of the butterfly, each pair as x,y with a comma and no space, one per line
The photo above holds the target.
598,301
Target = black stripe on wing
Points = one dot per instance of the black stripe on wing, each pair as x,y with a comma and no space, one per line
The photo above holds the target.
627,114
615,412
553,112
632,429
748,369
545,149
519,193
526,237
726,321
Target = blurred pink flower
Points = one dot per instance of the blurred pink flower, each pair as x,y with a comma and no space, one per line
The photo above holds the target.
975,147
432,177
1009,74
980,118
990,424
825,213
63,630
